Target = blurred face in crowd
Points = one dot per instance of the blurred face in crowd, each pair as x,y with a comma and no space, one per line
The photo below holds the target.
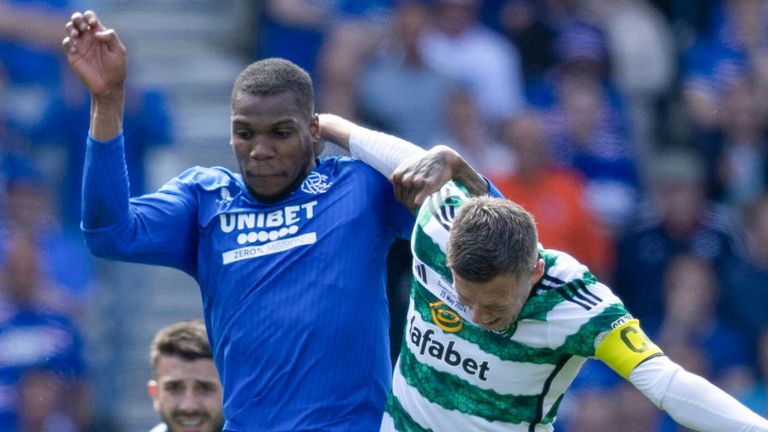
691,289
526,136
187,394
21,270
455,16
275,143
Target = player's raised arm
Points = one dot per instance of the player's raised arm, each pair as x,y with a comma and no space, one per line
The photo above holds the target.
414,172
98,58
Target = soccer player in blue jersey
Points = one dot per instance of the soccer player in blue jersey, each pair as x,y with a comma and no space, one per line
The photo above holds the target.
289,254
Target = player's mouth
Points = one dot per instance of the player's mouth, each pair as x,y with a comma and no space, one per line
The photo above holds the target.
190,424
492,323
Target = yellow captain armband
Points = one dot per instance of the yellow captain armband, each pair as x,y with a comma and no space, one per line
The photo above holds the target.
625,347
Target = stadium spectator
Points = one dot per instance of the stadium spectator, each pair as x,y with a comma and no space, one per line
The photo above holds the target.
595,411
282,309
42,350
294,30
524,23
65,125
585,123
29,39
465,131
488,322
358,28
691,292
64,261
461,46
554,195
31,62
185,386
397,72
736,149
643,67
676,218
735,47
745,281
756,397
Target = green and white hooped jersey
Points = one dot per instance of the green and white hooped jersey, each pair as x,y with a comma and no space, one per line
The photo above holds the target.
452,375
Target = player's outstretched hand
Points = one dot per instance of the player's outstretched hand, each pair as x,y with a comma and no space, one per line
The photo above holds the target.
95,53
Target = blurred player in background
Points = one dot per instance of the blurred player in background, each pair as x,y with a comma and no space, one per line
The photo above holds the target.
185,387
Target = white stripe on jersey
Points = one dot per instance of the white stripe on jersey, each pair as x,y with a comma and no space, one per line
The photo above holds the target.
439,419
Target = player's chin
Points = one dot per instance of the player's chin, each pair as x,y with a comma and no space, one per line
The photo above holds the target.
271,194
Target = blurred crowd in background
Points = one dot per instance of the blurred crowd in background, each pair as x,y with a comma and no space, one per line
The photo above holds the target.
633,130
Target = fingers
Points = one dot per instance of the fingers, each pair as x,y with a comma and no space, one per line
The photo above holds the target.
110,38
408,188
80,23
69,45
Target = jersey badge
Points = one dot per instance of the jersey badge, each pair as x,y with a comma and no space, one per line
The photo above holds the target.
445,318
316,183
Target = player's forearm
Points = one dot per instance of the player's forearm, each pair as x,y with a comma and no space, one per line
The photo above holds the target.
107,115
693,401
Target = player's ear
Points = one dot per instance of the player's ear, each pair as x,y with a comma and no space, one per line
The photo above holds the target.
152,390
318,144
538,270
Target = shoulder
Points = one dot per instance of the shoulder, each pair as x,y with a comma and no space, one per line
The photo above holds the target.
340,164
162,427
353,171
561,268
570,289
208,178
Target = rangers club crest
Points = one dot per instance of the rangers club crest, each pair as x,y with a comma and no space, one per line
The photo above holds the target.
315,183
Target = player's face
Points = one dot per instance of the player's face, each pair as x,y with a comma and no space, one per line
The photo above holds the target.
275,143
495,304
187,394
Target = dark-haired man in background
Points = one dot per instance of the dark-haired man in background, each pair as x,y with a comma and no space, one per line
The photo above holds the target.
185,387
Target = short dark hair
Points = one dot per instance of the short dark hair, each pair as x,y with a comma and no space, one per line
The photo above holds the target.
274,76
491,237
185,339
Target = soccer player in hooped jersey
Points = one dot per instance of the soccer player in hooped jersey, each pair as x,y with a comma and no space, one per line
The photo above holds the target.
498,327
290,254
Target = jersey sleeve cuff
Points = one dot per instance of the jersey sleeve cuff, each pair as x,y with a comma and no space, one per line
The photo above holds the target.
96,144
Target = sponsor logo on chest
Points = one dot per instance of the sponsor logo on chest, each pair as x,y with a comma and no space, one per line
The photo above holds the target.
428,343
264,233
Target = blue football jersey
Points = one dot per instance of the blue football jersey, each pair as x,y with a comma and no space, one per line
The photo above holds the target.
293,292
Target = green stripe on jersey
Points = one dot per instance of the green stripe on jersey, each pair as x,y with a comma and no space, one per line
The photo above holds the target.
403,422
453,393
